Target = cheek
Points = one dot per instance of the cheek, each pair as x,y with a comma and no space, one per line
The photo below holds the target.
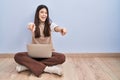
46,15
39,16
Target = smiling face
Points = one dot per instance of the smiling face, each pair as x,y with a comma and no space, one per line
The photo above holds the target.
43,15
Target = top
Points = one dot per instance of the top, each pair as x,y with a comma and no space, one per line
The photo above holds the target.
42,39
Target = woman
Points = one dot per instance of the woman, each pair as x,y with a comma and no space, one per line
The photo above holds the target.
41,34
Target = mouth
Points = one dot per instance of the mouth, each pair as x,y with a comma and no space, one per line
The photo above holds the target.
43,17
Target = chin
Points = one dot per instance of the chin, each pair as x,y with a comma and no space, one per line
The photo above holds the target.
42,20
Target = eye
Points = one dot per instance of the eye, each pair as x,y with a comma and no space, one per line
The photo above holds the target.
41,11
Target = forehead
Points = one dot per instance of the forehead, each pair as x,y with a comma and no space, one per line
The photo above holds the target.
43,9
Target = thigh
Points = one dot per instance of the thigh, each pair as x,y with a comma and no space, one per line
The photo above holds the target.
54,55
57,58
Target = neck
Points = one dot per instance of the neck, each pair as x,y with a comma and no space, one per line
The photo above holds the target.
42,22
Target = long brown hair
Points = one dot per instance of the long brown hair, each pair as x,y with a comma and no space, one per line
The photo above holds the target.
46,31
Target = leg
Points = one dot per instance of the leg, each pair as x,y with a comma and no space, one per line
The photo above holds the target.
52,63
36,67
57,58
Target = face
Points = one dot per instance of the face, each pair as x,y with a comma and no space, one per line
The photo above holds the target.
43,14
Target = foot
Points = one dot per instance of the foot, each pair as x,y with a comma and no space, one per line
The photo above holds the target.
20,68
54,69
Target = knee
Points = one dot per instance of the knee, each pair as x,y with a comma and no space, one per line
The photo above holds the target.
18,56
61,58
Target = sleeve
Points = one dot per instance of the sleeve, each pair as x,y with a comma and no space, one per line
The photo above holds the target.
52,26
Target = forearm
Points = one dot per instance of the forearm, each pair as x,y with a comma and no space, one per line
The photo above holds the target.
63,31
58,29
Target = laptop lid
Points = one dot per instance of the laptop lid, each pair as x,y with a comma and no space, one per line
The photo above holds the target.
39,50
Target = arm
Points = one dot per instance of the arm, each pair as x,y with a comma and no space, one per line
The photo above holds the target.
63,31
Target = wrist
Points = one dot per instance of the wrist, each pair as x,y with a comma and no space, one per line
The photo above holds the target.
61,30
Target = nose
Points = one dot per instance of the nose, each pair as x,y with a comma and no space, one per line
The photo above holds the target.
44,14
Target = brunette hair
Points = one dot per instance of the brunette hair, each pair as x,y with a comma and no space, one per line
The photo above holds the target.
46,31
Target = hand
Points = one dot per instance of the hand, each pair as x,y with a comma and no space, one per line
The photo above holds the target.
31,26
63,31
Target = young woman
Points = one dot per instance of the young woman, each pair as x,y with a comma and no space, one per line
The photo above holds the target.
41,34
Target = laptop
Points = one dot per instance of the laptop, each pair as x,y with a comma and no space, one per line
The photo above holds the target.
39,50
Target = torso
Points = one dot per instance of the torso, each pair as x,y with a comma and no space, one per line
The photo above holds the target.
42,39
